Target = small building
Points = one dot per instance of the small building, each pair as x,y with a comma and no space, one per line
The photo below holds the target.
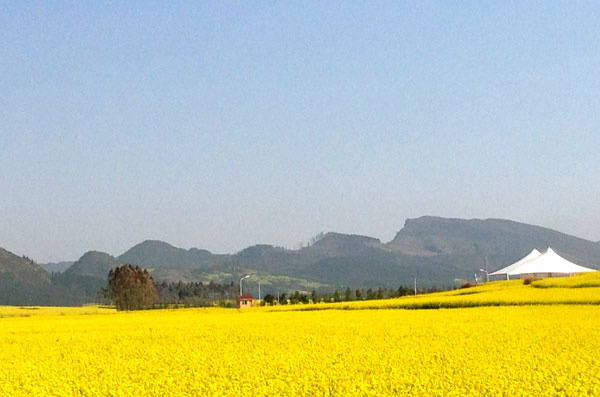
245,301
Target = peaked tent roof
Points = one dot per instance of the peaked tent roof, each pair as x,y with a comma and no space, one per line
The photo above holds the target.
506,270
548,262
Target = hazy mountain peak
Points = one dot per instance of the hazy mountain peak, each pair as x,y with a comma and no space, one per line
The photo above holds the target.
94,255
154,244
94,264
500,238
156,253
341,237
338,244
260,249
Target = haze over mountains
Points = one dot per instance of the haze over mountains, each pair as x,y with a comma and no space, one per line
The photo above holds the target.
435,250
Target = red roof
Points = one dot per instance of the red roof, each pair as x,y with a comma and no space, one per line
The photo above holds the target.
247,297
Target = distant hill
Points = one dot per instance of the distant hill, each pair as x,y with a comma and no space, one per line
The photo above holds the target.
56,267
81,282
93,264
434,250
337,244
469,242
22,269
22,281
157,254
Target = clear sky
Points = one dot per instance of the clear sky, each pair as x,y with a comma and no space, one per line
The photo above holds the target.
225,124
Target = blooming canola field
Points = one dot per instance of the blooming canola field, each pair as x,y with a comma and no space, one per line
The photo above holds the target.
583,289
494,351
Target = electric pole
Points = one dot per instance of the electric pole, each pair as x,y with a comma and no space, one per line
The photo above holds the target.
415,285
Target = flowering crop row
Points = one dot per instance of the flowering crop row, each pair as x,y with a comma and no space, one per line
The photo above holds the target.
585,280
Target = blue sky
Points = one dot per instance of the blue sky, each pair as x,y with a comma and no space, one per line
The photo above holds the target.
225,124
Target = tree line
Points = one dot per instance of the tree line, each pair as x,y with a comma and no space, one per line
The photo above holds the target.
347,295
132,288
196,294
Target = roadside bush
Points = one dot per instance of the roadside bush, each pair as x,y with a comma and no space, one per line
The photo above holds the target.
529,280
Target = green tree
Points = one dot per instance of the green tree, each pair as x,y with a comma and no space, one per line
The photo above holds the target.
336,296
358,294
370,294
402,291
131,287
269,299
348,294
313,296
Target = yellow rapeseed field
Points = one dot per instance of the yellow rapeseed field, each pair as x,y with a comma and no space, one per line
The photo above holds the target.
28,311
579,290
492,351
585,280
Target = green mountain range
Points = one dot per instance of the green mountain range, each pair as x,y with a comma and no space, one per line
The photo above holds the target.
436,251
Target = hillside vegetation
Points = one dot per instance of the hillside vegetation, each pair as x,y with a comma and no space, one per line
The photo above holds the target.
22,269
436,251
22,281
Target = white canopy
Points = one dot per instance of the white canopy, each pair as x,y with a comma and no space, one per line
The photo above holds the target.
508,269
547,263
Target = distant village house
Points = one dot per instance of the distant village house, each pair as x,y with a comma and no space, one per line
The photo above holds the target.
245,301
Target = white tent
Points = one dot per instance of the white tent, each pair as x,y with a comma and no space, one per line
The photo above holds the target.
508,269
547,264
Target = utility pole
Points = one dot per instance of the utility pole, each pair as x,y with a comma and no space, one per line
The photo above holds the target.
259,291
415,285
485,270
487,275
